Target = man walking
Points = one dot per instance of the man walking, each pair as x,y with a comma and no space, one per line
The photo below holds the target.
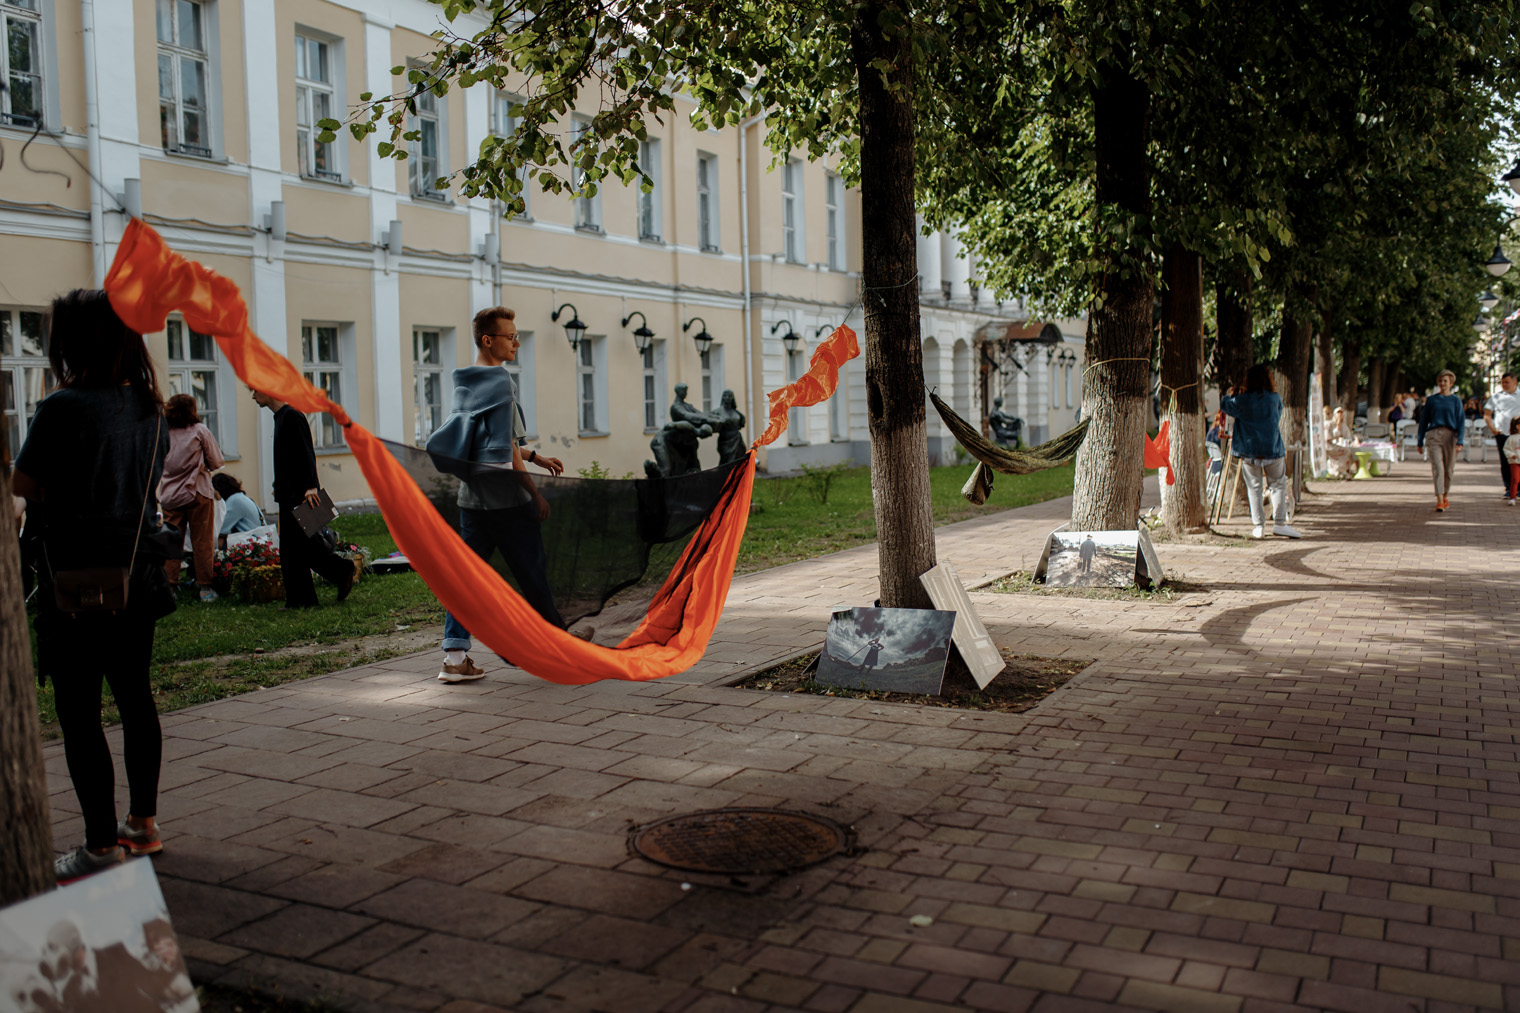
295,482
1498,412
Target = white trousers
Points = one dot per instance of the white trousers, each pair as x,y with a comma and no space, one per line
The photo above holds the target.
1269,471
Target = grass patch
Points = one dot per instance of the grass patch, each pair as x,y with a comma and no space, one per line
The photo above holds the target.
1022,582
1025,681
788,524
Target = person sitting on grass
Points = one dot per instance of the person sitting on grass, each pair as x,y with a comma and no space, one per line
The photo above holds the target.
243,514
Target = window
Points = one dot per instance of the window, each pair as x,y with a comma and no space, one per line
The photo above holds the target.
588,209
651,392
833,195
24,376
314,101
192,370
707,380
587,389
1054,403
21,102
791,211
521,370
839,422
506,125
1070,367
796,428
182,77
425,165
707,202
427,380
649,203
321,362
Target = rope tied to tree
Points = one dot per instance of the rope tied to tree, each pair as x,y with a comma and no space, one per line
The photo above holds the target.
1171,407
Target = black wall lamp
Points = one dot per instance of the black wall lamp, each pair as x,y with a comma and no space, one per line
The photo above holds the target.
818,331
643,337
703,339
574,328
790,339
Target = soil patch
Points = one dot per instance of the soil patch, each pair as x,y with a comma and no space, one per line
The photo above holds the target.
1171,592
1026,681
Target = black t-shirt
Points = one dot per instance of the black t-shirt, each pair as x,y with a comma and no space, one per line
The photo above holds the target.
94,453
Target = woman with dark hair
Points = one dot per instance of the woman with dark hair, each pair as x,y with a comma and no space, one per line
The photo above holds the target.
185,494
1256,408
93,456
243,514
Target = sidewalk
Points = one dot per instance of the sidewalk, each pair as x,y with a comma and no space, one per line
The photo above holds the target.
1297,789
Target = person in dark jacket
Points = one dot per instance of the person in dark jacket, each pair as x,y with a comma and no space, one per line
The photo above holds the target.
295,482
1257,408
1441,426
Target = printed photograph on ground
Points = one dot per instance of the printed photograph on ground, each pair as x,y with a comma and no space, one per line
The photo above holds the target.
896,650
102,945
1092,559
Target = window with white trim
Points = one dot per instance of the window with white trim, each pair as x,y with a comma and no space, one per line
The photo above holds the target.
1054,401
649,203
590,413
427,381
315,100
521,370
22,101
183,77
24,374
707,202
588,209
707,379
797,425
833,198
322,365
791,210
839,419
424,158
193,370
507,123
651,391
1069,368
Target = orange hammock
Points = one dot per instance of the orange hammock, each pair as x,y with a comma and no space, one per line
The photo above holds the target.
1158,451
148,281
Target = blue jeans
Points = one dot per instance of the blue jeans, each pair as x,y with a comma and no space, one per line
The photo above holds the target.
516,532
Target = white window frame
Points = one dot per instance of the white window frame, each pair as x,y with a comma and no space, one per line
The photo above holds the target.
591,386
506,126
332,374
839,412
707,203
1070,368
706,361
429,414
178,54
16,365
430,110
653,379
309,89
181,369
797,422
793,238
833,196
1054,401
522,373
651,221
28,13
588,210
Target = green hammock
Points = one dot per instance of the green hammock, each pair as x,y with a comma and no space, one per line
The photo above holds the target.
991,457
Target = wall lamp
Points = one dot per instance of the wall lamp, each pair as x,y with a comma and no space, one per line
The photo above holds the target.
1498,263
643,337
574,329
703,339
818,331
790,339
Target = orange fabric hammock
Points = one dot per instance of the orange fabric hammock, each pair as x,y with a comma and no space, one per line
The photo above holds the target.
148,280
1158,452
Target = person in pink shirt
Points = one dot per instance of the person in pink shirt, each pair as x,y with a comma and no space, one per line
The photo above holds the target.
185,494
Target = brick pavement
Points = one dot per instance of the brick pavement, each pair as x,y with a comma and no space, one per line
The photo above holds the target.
1296,789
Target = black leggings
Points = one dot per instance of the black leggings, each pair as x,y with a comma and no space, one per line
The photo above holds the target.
118,650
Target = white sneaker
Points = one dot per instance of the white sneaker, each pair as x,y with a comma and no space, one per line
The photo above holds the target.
1258,532
1286,531
465,671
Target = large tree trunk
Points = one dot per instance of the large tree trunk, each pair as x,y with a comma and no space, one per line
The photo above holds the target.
1293,353
894,356
1182,504
1233,354
1115,395
26,847
1326,348
1375,389
1351,375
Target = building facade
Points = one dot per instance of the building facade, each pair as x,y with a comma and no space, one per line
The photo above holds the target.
199,116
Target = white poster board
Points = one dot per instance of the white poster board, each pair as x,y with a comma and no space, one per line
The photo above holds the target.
970,634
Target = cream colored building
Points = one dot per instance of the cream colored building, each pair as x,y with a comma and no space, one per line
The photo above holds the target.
196,114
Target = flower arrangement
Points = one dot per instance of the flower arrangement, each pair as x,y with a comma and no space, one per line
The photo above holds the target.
258,583
231,563
360,554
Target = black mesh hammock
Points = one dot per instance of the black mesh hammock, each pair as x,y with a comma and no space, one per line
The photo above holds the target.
991,457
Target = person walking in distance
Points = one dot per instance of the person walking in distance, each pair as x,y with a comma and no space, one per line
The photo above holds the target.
1441,426
1258,443
295,482
1498,412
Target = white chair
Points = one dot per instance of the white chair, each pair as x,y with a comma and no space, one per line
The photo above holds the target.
1375,431
1407,436
1211,485
1477,436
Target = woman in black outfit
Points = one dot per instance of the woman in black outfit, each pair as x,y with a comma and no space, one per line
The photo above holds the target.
93,453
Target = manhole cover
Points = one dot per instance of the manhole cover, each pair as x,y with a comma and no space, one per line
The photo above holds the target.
740,842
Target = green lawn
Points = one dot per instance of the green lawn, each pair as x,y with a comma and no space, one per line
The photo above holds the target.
206,652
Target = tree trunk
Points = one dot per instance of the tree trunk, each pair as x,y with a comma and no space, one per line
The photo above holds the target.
1233,353
1326,361
1375,389
1293,351
26,847
1115,395
894,355
1351,375
1182,504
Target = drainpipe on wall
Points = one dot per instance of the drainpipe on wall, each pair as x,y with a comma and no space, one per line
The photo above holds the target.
92,140
749,361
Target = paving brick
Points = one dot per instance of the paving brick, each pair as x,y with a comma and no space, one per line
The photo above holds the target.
297,931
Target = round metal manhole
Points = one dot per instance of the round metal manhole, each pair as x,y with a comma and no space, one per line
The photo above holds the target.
740,841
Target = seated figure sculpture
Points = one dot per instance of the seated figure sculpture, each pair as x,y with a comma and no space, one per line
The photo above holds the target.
730,429
1005,427
675,450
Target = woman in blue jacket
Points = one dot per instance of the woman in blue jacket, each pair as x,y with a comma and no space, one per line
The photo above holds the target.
1441,426
1256,409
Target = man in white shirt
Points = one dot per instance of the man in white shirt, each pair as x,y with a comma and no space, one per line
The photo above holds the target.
1498,412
